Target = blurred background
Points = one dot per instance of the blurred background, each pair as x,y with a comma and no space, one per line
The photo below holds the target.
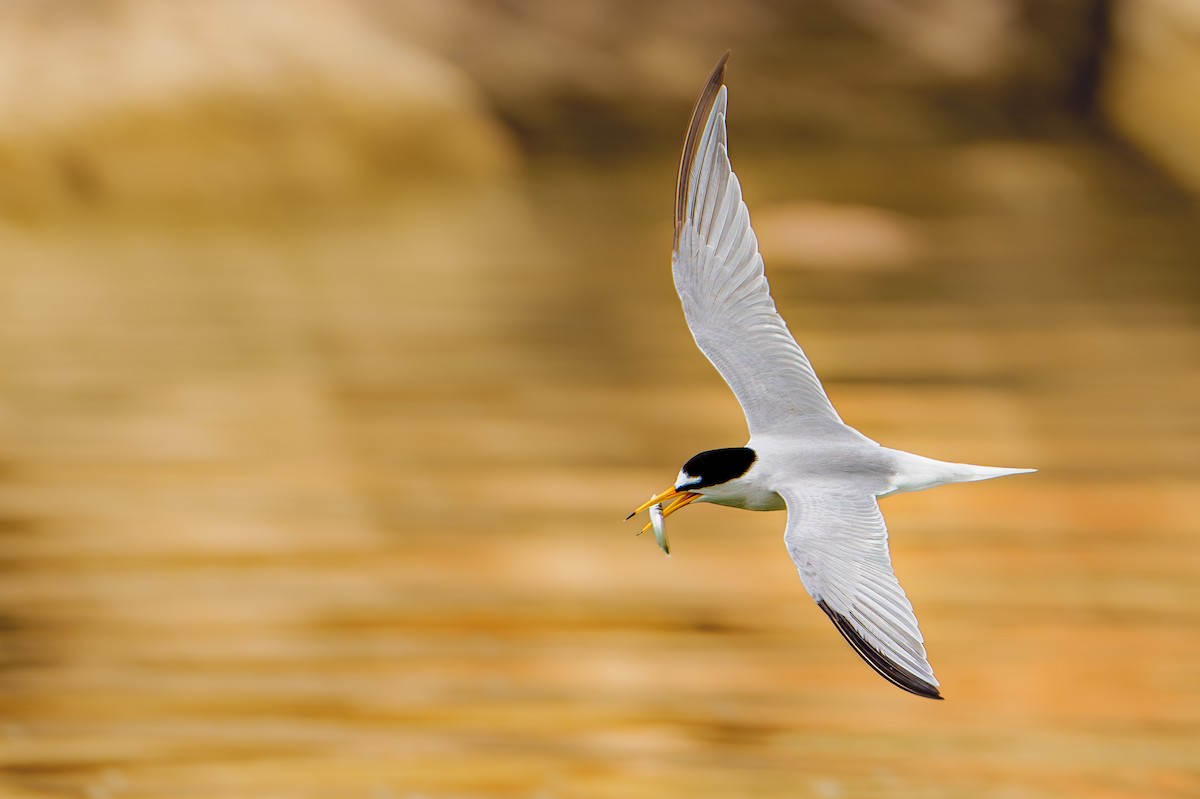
339,336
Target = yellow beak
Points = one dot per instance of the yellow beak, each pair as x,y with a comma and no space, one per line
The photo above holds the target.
679,499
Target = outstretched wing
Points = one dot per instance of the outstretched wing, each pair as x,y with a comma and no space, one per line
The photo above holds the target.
838,540
719,276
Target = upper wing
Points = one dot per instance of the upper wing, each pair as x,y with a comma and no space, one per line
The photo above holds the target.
838,540
719,276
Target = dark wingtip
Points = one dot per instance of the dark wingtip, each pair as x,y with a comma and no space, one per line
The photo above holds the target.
708,95
720,65
883,665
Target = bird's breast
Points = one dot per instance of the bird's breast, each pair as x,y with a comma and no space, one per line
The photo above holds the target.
745,494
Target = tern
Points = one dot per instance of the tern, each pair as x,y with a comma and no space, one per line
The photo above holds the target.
801,456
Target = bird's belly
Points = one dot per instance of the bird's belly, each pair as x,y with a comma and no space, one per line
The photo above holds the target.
768,501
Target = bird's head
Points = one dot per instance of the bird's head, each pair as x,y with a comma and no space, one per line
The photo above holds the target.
707,470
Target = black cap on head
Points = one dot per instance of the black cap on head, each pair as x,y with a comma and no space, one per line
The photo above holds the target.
716,466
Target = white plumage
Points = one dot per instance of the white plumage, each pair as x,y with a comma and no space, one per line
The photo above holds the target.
800,454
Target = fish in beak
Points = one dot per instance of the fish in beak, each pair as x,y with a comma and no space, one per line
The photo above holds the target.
674,499
660,529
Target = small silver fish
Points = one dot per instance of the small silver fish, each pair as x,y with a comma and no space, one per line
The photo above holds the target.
660,528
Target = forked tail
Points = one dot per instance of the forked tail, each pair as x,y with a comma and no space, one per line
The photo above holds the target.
973,473
914,472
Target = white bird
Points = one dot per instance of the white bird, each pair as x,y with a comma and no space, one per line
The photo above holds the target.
801,456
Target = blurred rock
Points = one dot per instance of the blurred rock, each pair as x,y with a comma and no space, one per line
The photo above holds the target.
605,75
226,106
967,40
1153,90
591,73
223,104
1033,60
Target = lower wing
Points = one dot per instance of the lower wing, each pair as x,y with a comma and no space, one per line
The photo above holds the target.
838,540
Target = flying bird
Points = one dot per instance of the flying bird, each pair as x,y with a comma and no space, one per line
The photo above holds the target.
801,456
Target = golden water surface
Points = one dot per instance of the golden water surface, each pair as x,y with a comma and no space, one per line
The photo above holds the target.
329,504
